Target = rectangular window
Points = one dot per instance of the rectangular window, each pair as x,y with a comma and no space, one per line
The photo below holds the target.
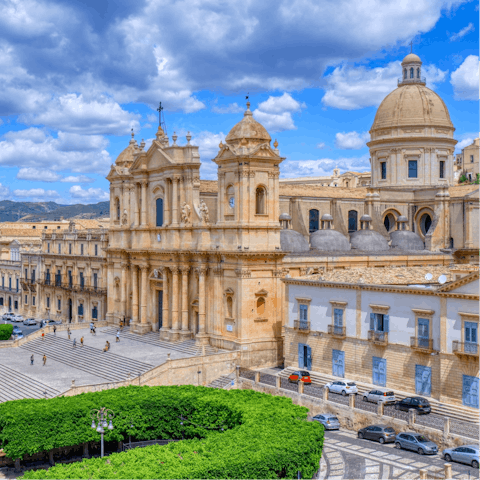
48,248
17,284
48,302
26,299
59,248
70,279
471,158
96,250
81,249
471,337
59,304
384,170
412,169
69,248
33,276
80,309
3,282
1,301
33,301
95,280
379,322
82,281
47,277
442,169
423,332
9,283
338,321
303,316
26,274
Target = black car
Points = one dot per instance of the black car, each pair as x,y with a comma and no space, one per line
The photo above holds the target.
420,404
381,433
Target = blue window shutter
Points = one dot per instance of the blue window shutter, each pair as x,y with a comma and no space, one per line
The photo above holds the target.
309,358
470,391
301,360
386,321
372,321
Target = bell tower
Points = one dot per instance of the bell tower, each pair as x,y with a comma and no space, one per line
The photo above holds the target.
248,186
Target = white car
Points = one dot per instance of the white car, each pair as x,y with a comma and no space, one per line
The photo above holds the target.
18,318
8,316
384,396
345,387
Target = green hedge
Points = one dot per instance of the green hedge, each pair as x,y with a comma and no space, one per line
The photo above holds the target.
264,437
6,331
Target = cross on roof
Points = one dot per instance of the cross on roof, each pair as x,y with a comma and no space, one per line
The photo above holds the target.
159,110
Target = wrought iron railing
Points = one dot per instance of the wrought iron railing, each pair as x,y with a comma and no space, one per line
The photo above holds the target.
301,324
337,331
465,348
381,338
421,343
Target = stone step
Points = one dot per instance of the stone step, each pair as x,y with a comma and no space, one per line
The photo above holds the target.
16,385
188,347
454,411
222,382
107,365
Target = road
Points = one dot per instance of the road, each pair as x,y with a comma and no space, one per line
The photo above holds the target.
348,457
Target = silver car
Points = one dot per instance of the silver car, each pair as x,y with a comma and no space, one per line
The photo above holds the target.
329,421
387,397
345,387
30,321
466,454
416,442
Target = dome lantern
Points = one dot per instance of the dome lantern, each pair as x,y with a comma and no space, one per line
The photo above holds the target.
411,71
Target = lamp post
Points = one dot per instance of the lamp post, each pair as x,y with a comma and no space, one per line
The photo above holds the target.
102,416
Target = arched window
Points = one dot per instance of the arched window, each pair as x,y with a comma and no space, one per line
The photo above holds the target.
411,72
231,198
229,307
352,221
117,207
389,222
260,200
418,73
261,306
313,216
425,223
404,73
159,207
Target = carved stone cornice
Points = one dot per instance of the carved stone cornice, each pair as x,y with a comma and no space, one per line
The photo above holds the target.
273,174
279,273
243,272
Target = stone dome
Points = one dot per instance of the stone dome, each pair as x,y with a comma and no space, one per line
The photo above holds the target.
406,240
329,241
126,157
412,105
249,129
368,240
411,58
292,241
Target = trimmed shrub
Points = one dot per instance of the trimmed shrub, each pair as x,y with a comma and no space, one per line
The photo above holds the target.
264,436
6,331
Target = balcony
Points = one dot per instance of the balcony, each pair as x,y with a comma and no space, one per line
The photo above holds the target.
378,338
466,349
422,345
302,325
337,332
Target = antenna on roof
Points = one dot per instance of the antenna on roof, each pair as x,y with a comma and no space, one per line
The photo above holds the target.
428,276
161,118
442,279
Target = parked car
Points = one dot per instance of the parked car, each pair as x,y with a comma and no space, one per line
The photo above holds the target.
466,454
30,321
387,397
8,316
420,404
17,331
328,420
17,318
303,375
49,321
342,386
416,442
381,433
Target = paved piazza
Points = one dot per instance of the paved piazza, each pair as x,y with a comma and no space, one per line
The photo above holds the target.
348,457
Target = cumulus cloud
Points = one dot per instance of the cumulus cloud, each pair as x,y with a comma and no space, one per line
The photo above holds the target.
462,32
275,113
350,88
33,148
465,79
36,193
4,192
89,195
231,108
321,145
351,140
208,148
38,175
324,166
77,179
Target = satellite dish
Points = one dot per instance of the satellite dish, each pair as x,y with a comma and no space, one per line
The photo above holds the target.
428,276
442,279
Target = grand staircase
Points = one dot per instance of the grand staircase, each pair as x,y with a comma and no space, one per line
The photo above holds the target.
16,385
107,365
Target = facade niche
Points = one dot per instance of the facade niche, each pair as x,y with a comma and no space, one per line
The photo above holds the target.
260,200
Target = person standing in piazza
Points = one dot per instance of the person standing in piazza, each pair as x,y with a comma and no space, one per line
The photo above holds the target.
44,359
74,341
69,332
31,360
81,341
55,330
118,336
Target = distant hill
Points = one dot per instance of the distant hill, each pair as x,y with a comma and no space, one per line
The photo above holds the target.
42,211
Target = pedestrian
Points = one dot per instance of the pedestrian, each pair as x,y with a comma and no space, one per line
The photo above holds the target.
74,341
81,341
43,335
105,348
91,327
118,336
44,359
55,330
31,360
121,326
94,330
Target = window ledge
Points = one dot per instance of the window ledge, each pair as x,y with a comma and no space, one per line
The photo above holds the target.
260,319
261,214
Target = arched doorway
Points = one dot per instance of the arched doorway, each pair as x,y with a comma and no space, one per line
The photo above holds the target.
425,223
70,310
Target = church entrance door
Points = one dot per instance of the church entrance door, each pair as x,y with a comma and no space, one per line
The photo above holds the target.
160,308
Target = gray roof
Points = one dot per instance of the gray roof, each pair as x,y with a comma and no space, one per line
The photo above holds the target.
329,240
368,241
292,241
406,240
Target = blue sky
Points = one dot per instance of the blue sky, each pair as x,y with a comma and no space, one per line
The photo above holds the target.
76,76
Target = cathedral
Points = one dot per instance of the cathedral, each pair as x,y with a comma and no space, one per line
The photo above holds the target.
200,259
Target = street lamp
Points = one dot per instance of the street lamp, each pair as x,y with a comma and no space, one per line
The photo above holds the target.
102,416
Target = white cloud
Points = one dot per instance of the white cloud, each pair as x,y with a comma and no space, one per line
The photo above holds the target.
275,113
38,175
37,193
77,179
231,108
350,88
351,140
90,195
462,32
4,192
33,148
208,148
321,145
465,79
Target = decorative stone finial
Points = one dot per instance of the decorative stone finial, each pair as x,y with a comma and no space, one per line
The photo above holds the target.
220,145
160,133
174,138
275,143
142,144
189,137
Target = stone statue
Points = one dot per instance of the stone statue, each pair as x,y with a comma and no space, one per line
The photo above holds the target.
124,217
204,212
155,273
186,210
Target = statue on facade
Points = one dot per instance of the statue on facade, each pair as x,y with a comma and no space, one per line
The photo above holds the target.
204,212
124,217
186,210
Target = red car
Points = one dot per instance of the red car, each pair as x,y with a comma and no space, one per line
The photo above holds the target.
302,375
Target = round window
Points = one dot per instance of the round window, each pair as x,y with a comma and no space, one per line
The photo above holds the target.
425,223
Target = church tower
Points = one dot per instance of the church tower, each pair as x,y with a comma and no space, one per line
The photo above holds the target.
248,187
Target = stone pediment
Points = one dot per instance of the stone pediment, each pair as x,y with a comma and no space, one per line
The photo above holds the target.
116,171
261,293
262,150
154,159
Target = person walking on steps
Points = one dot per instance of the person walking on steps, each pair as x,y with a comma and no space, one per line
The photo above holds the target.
118,336
105,348
55,330
74,342
31,360
91,327
94,330
44,359
81,341
43,335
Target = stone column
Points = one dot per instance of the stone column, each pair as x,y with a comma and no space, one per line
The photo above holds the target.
175,181
165,310
181,185
201,337
131,203
110,296
136,205
143,327
143,222
185,333
134,294
174,332
166,204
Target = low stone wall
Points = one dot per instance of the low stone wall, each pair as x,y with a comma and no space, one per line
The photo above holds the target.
353,418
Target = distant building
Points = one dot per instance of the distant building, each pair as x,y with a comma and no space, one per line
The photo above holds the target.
345,180
466,163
